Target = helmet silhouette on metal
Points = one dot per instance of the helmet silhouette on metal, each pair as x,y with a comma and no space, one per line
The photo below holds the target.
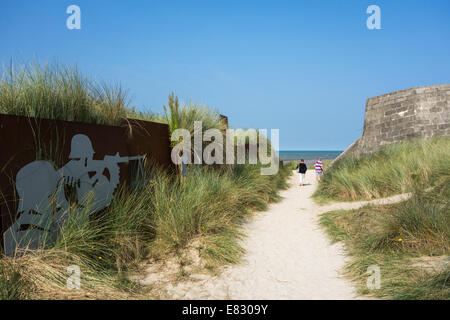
81,147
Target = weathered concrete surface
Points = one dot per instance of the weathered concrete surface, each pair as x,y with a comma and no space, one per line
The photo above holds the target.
420,112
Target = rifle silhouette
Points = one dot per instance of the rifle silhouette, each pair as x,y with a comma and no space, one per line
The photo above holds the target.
118,159
113,159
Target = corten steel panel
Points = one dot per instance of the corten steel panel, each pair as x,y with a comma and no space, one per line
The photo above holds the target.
151,138
22,137
224,119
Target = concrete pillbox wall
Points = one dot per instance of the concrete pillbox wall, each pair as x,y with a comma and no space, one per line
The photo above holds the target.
421,112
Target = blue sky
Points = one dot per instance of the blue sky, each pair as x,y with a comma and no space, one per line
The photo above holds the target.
304,67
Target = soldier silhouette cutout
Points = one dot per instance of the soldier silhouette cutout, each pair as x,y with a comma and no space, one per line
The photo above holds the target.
43,206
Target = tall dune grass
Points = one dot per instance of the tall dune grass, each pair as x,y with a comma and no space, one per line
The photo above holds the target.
395,169
183,116
55,91
161,215
391,236
159,218
209,203
63,92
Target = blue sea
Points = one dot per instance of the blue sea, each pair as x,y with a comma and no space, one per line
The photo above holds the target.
308,156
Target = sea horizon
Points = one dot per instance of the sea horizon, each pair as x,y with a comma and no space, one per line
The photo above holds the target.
308,155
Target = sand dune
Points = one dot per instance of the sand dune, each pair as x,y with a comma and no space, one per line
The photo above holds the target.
288,256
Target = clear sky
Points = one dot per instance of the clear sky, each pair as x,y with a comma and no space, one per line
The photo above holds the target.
304,67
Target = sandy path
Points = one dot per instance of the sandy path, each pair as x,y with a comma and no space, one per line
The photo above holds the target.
359,204
288,256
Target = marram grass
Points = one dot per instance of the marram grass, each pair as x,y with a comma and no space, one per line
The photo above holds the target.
55,91
395,169
394,236
63,92
160,217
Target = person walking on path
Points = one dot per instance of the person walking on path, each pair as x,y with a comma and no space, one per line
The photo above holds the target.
318,167
302,172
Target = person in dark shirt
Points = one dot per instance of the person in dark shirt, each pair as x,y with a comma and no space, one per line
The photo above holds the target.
302,171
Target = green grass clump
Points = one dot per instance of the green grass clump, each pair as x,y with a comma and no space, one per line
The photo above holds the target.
391,236
12,285
396,236
184,116
107,247
60,92
395,169
161,216
209,204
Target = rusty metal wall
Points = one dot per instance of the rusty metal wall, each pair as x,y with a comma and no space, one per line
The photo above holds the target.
224,119
24,140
